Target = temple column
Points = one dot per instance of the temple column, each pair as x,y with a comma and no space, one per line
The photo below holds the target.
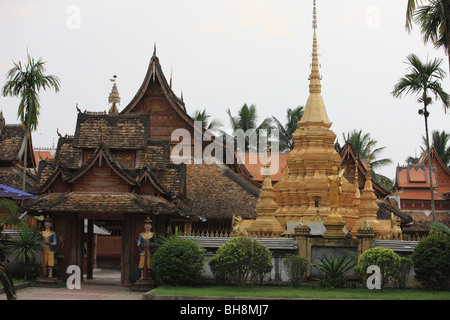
90,249
127,249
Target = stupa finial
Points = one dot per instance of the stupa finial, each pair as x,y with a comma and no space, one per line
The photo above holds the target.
314,78
315,112
314,15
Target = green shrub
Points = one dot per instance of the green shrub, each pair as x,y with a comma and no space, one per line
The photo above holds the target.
402,273
244,260
386,259
335,269
431,259
296,268
221,275
178,262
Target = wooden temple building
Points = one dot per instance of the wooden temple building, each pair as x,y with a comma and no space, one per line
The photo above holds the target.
413,196
116,170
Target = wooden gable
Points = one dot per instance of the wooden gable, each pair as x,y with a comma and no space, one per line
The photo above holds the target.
168,113
101,173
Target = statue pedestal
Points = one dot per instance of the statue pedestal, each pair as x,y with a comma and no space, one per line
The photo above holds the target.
47,282
334,226
144,285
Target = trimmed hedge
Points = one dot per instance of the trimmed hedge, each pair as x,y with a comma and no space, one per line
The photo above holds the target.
386,259
241,261
431,260
178,262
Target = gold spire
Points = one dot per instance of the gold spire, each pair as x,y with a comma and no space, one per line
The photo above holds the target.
357,192
315,111
368,185
114,97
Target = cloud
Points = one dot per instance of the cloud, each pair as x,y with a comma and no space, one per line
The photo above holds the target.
217,26
261,14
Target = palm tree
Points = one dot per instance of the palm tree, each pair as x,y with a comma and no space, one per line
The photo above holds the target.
247,121
440,142
12,208
26,82
361,142
25,246
433,19
203,117
293,116
423,80
7,282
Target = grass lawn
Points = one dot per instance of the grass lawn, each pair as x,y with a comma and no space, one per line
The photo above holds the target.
305,292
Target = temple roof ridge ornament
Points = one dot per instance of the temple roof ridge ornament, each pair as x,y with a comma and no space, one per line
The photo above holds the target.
315,112
114,97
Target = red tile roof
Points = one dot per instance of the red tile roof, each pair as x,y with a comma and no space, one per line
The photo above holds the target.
254,164
419,195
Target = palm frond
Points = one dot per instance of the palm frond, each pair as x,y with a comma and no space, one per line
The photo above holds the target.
7,282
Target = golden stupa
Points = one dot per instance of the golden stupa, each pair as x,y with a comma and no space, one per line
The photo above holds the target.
303,193
266,225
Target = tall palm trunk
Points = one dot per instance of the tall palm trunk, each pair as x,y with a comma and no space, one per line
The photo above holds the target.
25,162
429,162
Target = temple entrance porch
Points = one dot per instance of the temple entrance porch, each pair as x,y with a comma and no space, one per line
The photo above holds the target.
104,247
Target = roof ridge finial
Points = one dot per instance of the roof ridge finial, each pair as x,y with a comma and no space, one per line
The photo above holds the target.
171,71
154,49
114,97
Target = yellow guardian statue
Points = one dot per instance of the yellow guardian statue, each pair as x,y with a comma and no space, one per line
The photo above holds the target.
145,242
48,244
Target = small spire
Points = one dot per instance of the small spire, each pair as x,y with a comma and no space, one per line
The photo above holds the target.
171,69
368,158
154,49
314,78
368,185
357,192
114,97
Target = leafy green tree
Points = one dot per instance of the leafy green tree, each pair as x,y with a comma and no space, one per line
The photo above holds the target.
293,116
424,80
361,142
26,82
431,259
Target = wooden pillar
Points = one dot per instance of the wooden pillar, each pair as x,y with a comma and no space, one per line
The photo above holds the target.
127,249
73,240
90,249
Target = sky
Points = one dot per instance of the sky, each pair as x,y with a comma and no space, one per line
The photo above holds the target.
222,54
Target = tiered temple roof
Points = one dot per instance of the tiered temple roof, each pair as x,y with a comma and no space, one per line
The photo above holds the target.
121,162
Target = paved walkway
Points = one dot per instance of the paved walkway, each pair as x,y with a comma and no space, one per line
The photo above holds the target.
105,286
87,292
